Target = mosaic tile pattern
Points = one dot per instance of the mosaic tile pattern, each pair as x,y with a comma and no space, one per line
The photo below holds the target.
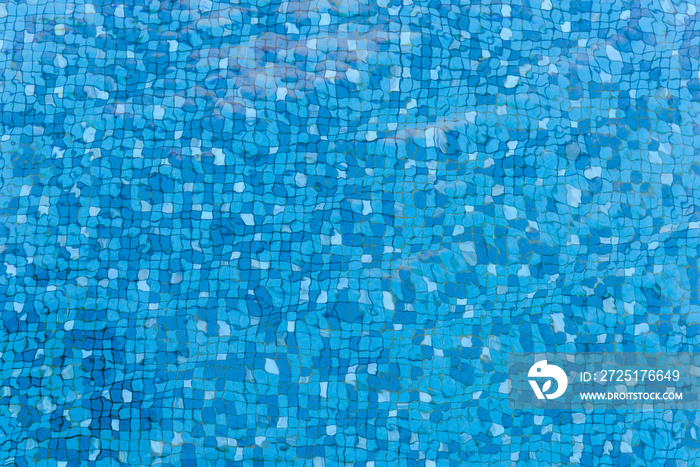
309,233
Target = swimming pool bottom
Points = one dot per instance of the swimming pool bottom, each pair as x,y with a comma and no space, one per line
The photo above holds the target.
313,233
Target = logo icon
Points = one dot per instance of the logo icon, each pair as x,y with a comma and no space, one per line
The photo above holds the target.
543,370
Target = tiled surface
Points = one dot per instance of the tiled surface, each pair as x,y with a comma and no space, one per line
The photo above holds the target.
310,233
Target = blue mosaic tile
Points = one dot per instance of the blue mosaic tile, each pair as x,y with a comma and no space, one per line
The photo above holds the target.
309,233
